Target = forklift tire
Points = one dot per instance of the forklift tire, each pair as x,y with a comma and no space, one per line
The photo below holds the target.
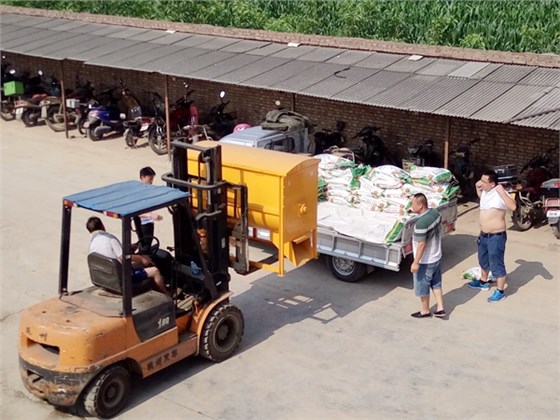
107,394
222,332
345,269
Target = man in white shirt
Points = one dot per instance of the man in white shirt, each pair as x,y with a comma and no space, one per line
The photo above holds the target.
147,175
109,246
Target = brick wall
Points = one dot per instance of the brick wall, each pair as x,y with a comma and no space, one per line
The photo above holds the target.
499,143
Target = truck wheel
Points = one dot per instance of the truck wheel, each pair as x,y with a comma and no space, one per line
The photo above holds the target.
222,332
345,269
108,393
556,230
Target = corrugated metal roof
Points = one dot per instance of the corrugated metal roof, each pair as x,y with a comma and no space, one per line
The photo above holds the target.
483,91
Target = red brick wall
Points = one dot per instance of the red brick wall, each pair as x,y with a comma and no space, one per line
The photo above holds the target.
499,143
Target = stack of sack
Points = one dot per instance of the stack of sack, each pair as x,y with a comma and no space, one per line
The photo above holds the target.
382,196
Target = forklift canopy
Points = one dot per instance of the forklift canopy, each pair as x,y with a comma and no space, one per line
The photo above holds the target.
126,199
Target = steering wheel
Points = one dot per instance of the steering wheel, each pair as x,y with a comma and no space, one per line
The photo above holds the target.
153,248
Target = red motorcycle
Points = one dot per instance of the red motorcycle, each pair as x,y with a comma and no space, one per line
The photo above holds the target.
181,114
533,201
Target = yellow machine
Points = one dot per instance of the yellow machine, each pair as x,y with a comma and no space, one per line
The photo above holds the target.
81,348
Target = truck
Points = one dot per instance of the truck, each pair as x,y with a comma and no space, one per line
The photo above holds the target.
282,130
80,348
349,259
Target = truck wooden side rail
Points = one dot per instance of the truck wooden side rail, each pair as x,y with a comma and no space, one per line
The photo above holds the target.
349,259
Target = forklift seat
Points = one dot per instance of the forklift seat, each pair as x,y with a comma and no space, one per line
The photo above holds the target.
106,273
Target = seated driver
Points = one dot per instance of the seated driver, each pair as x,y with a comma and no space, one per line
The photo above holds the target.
109,246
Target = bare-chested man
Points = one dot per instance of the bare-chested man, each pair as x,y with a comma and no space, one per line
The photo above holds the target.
494,201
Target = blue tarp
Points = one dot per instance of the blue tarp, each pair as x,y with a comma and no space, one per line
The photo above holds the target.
127,198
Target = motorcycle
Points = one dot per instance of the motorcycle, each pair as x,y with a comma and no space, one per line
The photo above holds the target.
142,126
538,191
462,169
76,108
326,139
221,123
420,154
102,120
182,113
375,152
36,108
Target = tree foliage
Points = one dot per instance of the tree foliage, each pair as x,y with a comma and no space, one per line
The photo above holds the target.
520,26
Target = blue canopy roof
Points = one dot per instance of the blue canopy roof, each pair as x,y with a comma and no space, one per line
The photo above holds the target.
127,198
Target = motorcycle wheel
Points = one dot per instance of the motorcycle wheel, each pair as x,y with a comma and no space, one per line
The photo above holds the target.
158,140
28,120
81,129
130,138
521,218
91,131
55,126
556,230
7,111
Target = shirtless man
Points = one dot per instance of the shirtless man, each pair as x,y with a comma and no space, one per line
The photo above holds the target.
494,201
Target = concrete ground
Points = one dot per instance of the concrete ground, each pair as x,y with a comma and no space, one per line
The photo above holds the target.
314,347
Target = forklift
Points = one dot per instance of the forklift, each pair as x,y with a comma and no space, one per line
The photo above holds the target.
81,348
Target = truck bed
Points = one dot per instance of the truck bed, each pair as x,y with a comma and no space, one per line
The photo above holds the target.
330,242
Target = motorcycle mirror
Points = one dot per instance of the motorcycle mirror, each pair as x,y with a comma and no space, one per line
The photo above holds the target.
222,94
40,72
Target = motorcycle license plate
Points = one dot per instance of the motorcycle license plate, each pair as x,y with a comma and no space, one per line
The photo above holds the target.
553,213
19,111
144,127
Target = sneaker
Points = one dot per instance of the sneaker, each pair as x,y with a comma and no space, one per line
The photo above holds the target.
496,296
478,285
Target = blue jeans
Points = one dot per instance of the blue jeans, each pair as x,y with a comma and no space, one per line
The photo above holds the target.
491,252
426,278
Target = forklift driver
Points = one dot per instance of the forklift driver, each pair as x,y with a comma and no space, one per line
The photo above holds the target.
109,246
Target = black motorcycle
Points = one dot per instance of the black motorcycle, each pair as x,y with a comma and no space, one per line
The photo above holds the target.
421,154
462,169
326,139
221,123
375,153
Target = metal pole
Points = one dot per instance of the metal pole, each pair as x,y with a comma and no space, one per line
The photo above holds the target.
167,120
446,144
63,98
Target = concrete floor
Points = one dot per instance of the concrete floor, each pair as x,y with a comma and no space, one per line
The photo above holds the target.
314,347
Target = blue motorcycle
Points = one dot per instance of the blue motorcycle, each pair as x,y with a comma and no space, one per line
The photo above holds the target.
102,120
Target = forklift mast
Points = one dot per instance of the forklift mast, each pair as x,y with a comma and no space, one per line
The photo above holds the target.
201,231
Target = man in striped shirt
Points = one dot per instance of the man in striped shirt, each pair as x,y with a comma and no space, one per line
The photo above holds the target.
426,267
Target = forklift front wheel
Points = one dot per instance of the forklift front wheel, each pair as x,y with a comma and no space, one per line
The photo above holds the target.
222,332
108,393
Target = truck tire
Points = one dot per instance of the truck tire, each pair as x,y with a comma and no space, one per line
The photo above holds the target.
108,392
345,269
222,332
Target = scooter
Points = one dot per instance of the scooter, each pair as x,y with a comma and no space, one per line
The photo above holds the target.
551,204
103,120
76,108
326,139
531,199
221,123
462,169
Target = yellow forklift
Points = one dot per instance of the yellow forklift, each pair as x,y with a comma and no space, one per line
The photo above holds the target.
81,348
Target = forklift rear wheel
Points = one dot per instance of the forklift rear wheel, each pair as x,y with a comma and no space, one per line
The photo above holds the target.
108,393
345,269
222,332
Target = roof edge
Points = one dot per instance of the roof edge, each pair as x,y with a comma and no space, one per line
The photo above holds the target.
468,54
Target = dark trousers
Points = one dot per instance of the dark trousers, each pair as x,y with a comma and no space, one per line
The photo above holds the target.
147,232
